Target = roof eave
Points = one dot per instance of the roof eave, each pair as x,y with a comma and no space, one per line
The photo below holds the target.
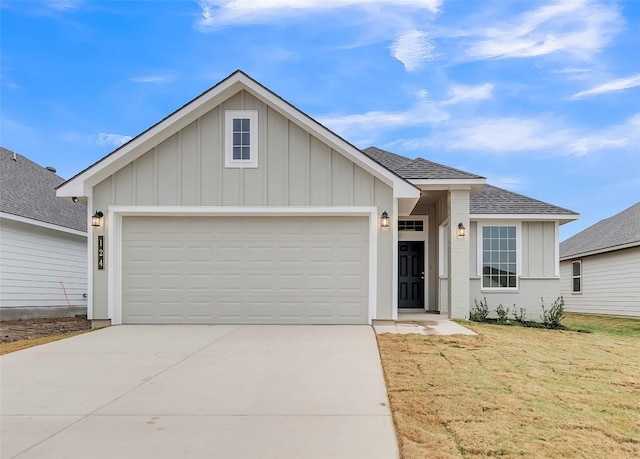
560,218
440,183
615,248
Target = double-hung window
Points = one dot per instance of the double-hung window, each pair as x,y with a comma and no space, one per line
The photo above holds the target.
576,276
499,257
241,138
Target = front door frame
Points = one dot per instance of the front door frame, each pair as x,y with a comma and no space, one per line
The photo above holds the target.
417,236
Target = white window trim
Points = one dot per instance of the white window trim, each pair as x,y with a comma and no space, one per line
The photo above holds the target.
479,257
573,277
229,162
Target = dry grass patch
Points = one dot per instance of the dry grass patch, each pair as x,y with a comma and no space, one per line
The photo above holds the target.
514,392
14,346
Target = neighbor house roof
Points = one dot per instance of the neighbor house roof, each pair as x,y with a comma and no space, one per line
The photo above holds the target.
28,190
613,233
490,200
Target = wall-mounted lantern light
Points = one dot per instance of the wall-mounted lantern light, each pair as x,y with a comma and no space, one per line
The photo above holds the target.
384,220
95,220
461,230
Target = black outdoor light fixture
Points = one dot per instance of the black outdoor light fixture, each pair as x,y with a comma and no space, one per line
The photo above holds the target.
461,230
95,220
384,220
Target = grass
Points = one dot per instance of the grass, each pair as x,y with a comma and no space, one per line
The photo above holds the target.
517,392
6,348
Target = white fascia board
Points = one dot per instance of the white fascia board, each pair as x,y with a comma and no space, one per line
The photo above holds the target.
562,218
257,211
446,184
601,251
40,224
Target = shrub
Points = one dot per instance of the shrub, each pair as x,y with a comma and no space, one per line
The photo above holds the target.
520,316
480,311
552,317
503,314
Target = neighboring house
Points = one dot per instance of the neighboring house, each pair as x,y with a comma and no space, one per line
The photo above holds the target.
600,267
43,243
239,208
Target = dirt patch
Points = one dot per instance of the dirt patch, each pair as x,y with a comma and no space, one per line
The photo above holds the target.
19,330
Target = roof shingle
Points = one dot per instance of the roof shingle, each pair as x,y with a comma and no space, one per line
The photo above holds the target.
493,200
29,190
609,234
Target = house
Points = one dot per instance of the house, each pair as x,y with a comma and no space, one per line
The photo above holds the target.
240,208
43,243
600,267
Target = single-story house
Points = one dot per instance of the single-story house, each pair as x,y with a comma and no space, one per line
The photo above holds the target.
240,208
43,243
600,267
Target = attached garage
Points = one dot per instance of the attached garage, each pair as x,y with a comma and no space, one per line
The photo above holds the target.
245,269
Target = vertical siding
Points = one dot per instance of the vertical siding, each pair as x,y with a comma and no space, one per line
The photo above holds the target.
609,284
35,261
294,169
538,249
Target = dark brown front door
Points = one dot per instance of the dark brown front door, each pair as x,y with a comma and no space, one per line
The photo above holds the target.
411,274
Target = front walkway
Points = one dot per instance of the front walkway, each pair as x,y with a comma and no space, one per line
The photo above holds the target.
199,391
422,324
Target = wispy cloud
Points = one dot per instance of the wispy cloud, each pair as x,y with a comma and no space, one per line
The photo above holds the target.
152,79
462,93
111,140
413,48
579,28
511,183
611,86
64,5
215,13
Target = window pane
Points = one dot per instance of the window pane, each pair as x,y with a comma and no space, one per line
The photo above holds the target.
237,124
237,137
576,268
512,244
486,232
576,284
246,125
245,153
504,232
245,138
236,153
512,281
512,232
503,244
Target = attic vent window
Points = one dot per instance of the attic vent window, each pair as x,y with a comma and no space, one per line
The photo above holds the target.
241,139
411,225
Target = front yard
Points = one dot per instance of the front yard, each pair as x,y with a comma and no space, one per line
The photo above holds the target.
517,392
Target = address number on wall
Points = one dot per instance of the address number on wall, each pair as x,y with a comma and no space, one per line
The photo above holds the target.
100,252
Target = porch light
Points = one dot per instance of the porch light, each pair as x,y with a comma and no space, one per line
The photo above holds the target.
95,220
461,230
384,220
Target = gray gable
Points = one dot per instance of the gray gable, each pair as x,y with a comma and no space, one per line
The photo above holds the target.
28,190
609,234
493,200
418,168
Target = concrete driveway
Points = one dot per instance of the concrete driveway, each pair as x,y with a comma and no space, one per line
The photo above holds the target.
198,391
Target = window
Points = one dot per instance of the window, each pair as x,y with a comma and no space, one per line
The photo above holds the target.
576,277
410,225
241,138
499,257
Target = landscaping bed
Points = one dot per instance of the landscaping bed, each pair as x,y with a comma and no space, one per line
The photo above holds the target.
19,334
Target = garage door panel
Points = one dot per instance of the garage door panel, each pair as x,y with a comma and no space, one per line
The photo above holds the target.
245,270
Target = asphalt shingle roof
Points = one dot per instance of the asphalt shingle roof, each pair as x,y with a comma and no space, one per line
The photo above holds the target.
493,200
609,234
418,168
29,190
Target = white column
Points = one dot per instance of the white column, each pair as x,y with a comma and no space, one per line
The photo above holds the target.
458,253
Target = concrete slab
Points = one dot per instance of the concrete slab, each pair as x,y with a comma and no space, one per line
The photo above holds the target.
199,391
415,324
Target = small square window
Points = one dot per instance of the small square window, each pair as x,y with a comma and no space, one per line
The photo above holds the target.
241,139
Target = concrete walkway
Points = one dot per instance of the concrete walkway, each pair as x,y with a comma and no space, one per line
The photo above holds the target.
421,324
198,391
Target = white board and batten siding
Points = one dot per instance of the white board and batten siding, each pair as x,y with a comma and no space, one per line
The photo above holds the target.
610,284
38,265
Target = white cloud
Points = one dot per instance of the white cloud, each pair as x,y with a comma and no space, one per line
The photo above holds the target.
112,140
611,86
64,5
152,79
224,12
576,27
461,93
413,48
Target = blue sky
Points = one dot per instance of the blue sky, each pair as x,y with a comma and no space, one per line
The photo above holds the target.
542,98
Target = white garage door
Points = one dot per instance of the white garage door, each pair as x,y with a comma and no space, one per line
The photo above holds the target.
245,270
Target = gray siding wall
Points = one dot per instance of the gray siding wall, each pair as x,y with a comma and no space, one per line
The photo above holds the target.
36,263
538,249
609,284
295,169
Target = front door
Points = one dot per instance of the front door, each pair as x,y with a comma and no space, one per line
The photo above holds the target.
411,274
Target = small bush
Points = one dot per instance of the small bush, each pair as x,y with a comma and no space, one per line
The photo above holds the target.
520,316
480,311
552,317
503,314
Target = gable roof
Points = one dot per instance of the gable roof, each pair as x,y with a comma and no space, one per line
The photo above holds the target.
29,191
613,233
418,168
81,183
493,200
